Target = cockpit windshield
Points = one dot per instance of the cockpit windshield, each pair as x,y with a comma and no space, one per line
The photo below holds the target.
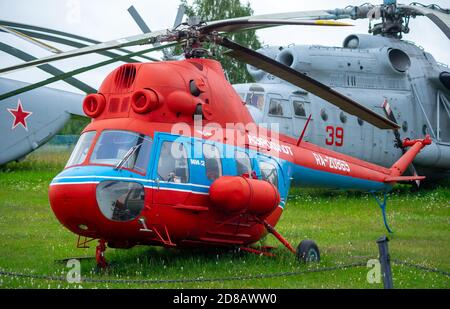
123,149
81,150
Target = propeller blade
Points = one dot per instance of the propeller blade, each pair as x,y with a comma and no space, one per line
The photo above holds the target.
128,41
234,25
313,86
79,71
440,18
30,39
138,19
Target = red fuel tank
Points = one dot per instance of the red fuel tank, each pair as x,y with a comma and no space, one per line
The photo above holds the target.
234,194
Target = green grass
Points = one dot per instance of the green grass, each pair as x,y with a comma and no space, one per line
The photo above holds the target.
345,226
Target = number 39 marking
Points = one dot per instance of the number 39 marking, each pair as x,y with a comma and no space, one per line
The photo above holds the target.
335,136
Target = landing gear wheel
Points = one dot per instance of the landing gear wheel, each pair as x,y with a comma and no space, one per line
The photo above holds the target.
307,252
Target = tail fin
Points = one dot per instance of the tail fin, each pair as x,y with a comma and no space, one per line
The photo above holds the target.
402,164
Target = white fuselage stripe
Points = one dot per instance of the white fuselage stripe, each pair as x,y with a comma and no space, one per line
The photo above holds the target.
148,187
131,179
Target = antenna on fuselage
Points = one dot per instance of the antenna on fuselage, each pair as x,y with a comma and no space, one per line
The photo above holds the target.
304,130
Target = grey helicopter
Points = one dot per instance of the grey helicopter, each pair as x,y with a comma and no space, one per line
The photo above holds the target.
375,70
26,125
383,72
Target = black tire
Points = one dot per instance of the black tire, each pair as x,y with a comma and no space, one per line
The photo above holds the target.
307,252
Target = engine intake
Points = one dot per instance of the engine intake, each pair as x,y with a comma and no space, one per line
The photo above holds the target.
399,60
444,77
94,105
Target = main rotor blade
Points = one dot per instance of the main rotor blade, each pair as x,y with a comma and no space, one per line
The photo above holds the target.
254,23
46,68
128,41
441,19
30,39
73,43
300,15
250,22
313,86
79,71
179,17
138,19
46,34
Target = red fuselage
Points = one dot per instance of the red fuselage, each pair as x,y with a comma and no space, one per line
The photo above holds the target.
195,199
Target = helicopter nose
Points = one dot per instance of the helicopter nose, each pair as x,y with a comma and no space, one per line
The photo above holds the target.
97,208
75,207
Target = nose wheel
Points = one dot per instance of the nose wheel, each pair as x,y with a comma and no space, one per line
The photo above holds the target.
307,251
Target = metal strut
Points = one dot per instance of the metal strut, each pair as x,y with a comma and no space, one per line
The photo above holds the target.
278,236
82,242
383,209
263,251
100,254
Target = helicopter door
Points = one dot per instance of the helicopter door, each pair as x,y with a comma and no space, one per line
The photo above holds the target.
171,170
279,112
302,110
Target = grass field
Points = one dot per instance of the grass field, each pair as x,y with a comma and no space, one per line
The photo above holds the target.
345,226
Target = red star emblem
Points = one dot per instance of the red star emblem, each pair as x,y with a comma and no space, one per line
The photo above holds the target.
20,116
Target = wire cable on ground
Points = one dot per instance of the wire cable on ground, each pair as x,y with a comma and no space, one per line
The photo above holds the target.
189,280
224,279
420,267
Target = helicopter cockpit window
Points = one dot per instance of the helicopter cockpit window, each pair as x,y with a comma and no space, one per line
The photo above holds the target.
128,149
213,165
81,149
120,201
269,172
172,164
255,99
279,107
299,109
243,163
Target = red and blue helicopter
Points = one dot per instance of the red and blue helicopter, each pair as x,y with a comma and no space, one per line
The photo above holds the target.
173,158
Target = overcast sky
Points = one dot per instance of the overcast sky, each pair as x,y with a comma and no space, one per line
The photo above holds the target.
106,20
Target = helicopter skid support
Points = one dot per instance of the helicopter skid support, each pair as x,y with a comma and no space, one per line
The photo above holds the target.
165,237
278,236
263,251
100,254
82,242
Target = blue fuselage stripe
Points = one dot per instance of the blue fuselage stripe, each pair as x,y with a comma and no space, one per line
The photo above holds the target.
307,177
